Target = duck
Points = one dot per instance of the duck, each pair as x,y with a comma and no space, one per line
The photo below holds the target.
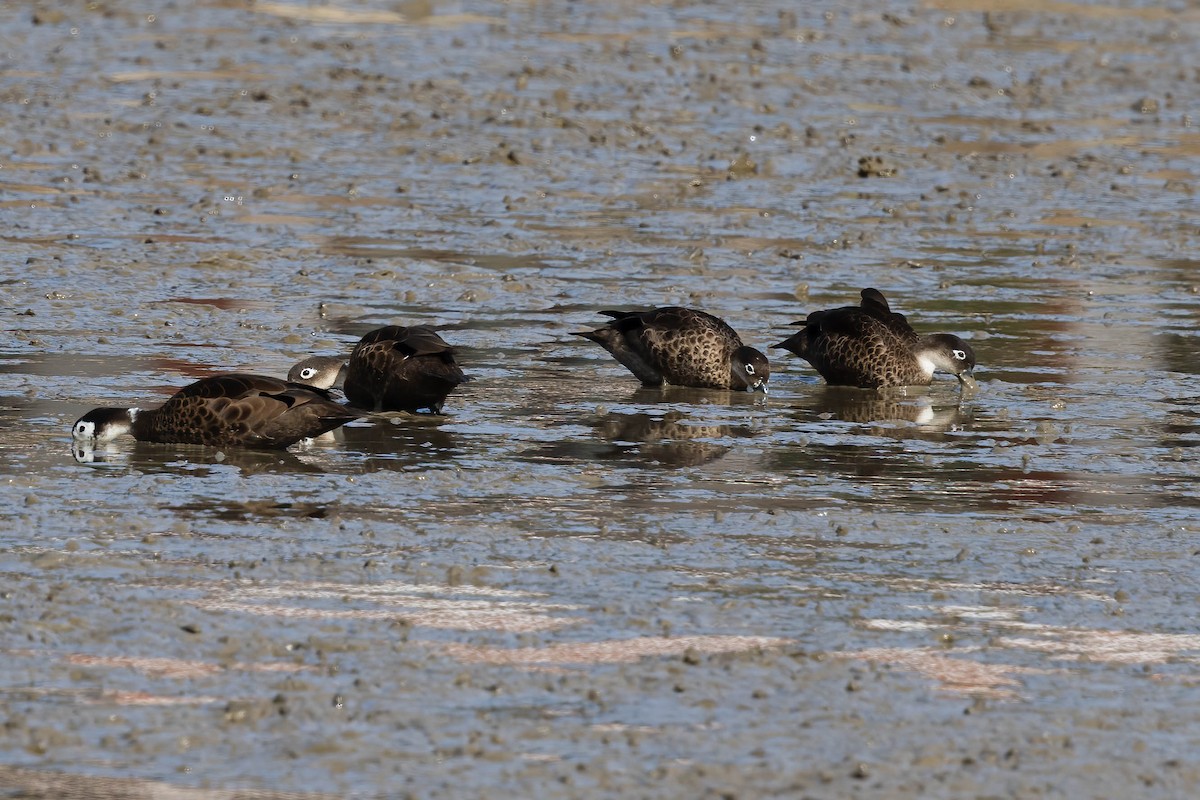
870,346
395,368
682,347
320,372
232,410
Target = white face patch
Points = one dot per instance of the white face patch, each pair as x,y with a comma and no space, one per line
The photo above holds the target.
927,366
96,433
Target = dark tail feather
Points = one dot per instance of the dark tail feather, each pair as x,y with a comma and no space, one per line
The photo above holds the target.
874,302
594,336
794,344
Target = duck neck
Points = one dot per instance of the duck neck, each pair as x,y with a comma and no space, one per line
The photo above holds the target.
931,356
140,422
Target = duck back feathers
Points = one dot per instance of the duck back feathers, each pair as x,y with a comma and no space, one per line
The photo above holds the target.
682,347
871,346
401,368
234,410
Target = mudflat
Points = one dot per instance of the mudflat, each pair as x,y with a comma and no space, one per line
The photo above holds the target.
568,585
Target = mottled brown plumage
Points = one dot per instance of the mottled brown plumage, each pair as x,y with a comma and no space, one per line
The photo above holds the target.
870,346
390,369
682,347
402,369
222,411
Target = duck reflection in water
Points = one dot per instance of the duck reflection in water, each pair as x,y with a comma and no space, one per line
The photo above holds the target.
381,442
666,440
884,405
195,459
396,441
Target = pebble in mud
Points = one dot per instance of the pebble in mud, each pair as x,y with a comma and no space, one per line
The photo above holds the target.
875,166
1146,105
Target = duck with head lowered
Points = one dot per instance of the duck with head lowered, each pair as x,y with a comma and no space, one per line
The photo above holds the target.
234,410
870,346
682,347
395,368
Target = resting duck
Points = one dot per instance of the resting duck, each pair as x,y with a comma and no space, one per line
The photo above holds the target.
390,369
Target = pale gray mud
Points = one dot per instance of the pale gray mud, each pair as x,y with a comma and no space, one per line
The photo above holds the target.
568,586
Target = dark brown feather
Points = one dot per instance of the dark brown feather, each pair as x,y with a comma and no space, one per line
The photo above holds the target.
239,410
402,369
868,345
678,346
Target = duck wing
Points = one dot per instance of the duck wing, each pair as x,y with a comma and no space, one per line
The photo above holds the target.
247,410
402,369
875,304
416,349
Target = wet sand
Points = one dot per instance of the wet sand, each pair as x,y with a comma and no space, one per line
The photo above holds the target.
569,586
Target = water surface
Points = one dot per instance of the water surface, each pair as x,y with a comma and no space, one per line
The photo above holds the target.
568,585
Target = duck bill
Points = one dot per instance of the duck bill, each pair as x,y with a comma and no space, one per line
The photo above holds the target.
760,386
967,381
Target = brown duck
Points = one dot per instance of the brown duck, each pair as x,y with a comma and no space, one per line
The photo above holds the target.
390,369
222,411
682,347
870,346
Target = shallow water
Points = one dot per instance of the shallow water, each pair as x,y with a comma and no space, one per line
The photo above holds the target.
569,585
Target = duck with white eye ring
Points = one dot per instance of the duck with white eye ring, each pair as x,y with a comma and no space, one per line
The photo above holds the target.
235,410
870,346
323,372
682,347
395,368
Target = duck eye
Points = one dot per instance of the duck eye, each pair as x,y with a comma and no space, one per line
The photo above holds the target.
749,369
960,355
307,372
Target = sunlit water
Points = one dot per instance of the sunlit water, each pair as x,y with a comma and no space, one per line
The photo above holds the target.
567,578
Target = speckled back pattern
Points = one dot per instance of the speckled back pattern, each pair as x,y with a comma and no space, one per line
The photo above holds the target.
402,369
241,411
867,346
679,346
